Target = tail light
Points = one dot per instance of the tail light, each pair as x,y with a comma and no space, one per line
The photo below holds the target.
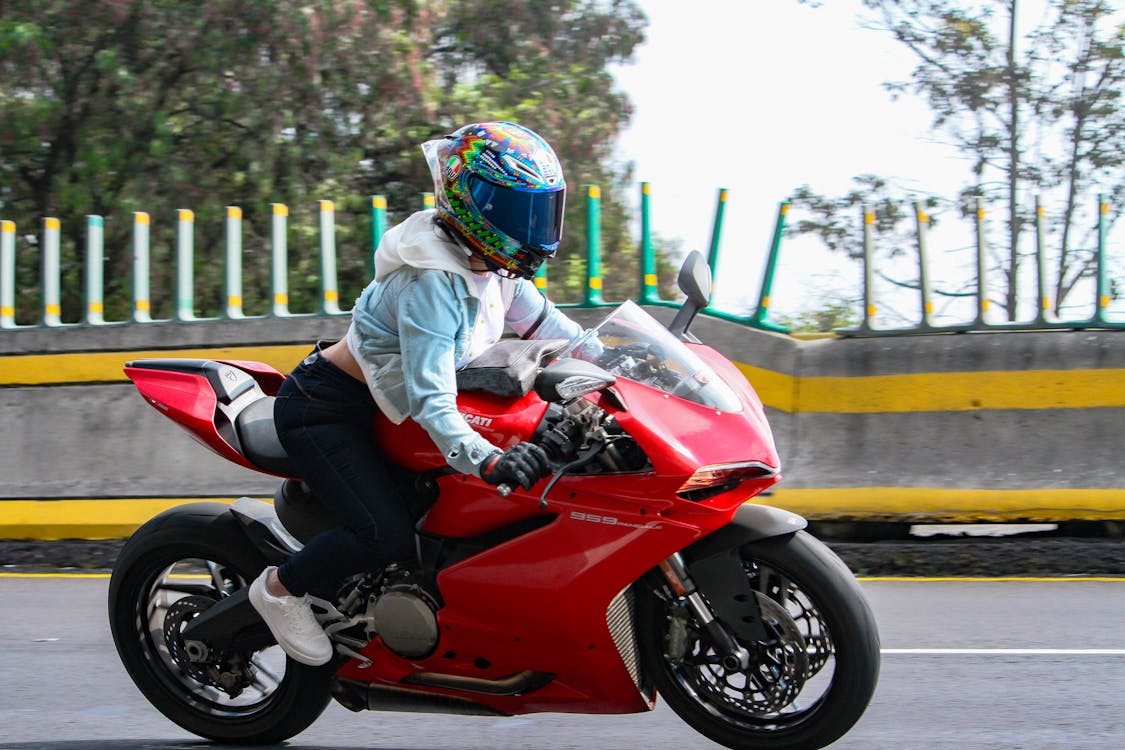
715,478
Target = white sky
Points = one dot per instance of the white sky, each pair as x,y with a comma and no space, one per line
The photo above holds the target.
761,97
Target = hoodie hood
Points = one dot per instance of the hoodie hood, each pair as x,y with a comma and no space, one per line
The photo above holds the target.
419,243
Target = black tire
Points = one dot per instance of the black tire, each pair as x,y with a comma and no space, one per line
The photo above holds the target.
816,686
164,575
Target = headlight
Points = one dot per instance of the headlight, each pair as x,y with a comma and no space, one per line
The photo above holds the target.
720,477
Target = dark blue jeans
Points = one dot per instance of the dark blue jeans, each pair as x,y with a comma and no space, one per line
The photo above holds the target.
324,419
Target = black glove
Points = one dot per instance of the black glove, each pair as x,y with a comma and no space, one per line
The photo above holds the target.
523,464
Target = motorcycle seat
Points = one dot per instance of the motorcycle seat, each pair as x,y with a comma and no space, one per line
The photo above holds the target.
257,437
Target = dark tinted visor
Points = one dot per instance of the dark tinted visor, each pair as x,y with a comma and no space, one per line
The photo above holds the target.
531,218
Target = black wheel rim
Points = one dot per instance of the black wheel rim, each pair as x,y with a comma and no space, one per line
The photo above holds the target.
791,672
170,596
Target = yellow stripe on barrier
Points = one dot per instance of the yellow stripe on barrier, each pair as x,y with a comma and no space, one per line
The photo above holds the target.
51,223
115,518
8,227
101,367
952,391
234,212
933,504
962,391
84,519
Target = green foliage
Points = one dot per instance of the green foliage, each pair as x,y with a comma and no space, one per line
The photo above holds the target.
1035,114
829,315
113,106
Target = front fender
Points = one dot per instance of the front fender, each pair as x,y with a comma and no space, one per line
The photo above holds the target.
715,565
750,523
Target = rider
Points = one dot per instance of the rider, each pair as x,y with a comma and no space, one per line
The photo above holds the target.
447,280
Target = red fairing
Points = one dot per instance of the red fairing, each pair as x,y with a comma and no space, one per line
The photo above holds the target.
189,400
502,421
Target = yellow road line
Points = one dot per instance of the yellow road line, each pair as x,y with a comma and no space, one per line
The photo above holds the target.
865,579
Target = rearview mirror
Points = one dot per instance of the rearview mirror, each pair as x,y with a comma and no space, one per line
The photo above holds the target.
694,281
566,379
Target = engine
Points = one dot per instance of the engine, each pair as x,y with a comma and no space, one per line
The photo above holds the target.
404,614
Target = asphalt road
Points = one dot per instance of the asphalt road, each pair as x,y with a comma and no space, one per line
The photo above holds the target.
999,665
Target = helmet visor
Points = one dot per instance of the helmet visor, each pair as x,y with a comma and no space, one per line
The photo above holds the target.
532,218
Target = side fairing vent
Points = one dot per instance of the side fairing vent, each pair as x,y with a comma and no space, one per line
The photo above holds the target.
620,618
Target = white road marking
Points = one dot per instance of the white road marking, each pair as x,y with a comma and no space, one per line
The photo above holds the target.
1010,651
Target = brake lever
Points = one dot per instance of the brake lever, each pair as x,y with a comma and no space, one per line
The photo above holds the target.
584,457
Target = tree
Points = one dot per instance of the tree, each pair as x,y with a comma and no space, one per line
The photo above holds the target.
1040,120
114,106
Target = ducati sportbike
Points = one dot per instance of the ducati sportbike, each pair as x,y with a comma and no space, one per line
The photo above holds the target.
640,569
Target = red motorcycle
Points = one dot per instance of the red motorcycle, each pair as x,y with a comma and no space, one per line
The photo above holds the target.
637,569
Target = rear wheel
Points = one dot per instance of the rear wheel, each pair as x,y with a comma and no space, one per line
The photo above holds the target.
809,679
169,572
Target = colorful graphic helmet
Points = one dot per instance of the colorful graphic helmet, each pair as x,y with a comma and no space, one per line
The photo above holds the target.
501,188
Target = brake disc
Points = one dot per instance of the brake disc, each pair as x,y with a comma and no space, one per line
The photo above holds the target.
192,657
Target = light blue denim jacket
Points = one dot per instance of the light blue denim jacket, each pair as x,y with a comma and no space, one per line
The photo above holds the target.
414,322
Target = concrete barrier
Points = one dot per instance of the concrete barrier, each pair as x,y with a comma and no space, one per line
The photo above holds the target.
967,428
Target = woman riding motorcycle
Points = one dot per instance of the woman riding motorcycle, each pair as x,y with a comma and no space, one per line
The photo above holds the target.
447,281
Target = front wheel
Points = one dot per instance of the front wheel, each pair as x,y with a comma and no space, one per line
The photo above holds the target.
175,567
810,678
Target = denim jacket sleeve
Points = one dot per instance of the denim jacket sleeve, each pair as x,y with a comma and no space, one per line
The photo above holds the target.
528,304
430,318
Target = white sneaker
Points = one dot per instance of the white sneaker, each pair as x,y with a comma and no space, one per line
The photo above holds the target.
291,620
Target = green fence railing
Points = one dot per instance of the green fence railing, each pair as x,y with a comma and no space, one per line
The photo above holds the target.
184,302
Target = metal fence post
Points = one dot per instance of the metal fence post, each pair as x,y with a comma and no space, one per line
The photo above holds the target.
869,307
1102,273
650,284
923,223
7,274
378,228
95,270
185,272
758,319
982,268
540,278
280,266
51,271
593,245
234,262
142,305
1041,263
716,236
330,292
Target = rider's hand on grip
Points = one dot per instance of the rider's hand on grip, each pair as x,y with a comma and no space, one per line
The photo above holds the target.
523,464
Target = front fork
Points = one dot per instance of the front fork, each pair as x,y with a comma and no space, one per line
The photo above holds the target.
733,656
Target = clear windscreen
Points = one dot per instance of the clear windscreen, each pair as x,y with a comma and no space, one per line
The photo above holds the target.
632,344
